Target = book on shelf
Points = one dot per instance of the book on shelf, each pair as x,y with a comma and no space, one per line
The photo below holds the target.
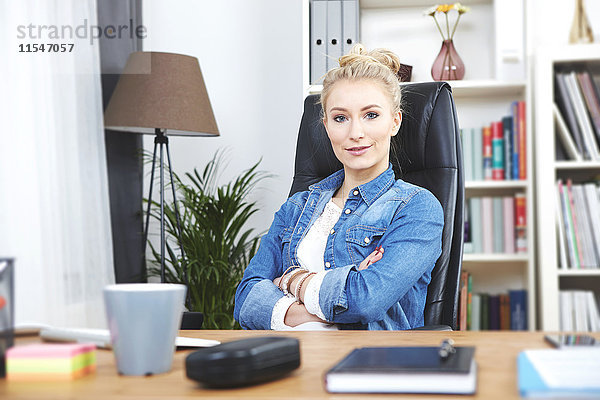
507,131
496,225
490,311
521,117
591,95
578,113
497,132
463,296
476,155
487,152
497,151
578,311
487,222
521,222
404,370
582,116
578,224
565,136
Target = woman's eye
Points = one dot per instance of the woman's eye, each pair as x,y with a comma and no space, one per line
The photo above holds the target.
371,115
339,118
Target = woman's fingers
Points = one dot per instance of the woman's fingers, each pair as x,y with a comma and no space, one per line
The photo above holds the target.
371,258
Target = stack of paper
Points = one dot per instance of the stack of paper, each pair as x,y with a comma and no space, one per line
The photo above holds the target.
49,362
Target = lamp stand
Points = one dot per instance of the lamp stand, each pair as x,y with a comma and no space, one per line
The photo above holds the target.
162,141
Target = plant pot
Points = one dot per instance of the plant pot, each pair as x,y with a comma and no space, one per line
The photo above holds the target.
448,65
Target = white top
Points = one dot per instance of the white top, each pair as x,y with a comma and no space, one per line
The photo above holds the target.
310,256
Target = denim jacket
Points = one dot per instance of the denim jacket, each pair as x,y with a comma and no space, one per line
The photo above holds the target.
406,220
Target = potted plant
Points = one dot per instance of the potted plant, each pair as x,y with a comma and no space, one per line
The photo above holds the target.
217,246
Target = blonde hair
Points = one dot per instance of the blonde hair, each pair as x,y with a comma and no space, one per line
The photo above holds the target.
379,65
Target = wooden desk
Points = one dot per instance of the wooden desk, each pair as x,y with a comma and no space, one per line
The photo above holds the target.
496,354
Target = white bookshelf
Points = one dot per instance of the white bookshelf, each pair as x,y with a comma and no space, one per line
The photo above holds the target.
551,278
480,99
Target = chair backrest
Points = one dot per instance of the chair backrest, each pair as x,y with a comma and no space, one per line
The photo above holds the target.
428,154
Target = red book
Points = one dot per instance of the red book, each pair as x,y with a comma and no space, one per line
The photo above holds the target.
487,152
497,151
522,141
521,222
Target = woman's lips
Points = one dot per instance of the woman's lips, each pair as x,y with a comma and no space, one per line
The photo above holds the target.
358,150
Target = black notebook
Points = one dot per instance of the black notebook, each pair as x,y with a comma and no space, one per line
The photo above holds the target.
404,370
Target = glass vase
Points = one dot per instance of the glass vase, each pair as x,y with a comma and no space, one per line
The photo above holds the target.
448,64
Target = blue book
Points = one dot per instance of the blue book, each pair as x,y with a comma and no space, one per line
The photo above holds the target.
570,374
518,310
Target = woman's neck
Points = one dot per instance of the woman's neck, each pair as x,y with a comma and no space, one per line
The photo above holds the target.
352,179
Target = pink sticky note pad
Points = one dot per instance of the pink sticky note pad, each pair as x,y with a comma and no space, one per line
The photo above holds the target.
49,350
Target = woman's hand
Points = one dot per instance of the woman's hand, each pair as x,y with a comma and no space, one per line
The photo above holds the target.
277,280
371,258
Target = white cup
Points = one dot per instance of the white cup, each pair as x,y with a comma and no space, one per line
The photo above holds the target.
143,319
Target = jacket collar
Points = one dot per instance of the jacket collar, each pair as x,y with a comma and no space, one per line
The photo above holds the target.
369,191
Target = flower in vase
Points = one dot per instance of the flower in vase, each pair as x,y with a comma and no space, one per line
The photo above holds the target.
445,9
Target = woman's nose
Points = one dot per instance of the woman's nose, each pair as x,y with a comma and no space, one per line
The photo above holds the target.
356,130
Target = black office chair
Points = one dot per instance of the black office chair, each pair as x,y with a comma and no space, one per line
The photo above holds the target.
428,154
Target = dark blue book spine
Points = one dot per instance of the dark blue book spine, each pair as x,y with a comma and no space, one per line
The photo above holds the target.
518,310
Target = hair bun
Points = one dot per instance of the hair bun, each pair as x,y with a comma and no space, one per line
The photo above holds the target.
358,54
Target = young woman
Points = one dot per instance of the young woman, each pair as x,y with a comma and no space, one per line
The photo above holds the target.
356,250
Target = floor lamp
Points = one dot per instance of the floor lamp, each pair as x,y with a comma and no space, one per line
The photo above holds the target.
162,94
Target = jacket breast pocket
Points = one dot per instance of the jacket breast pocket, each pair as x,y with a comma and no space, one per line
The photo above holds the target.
361,240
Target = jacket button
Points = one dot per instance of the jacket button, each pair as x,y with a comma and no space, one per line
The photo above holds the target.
332,231
367,240
347,211
355,193
327,264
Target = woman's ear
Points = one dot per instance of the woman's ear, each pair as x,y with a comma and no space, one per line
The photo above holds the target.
397,123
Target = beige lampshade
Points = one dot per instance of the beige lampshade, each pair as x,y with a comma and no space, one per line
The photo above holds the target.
164,91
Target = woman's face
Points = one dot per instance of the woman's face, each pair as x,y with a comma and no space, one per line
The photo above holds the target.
360,122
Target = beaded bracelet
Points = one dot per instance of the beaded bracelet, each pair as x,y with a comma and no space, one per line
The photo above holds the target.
305,277
283,275
285,281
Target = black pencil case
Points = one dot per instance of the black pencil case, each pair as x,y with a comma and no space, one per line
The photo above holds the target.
244,362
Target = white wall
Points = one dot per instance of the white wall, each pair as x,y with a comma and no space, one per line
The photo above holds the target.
251,60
